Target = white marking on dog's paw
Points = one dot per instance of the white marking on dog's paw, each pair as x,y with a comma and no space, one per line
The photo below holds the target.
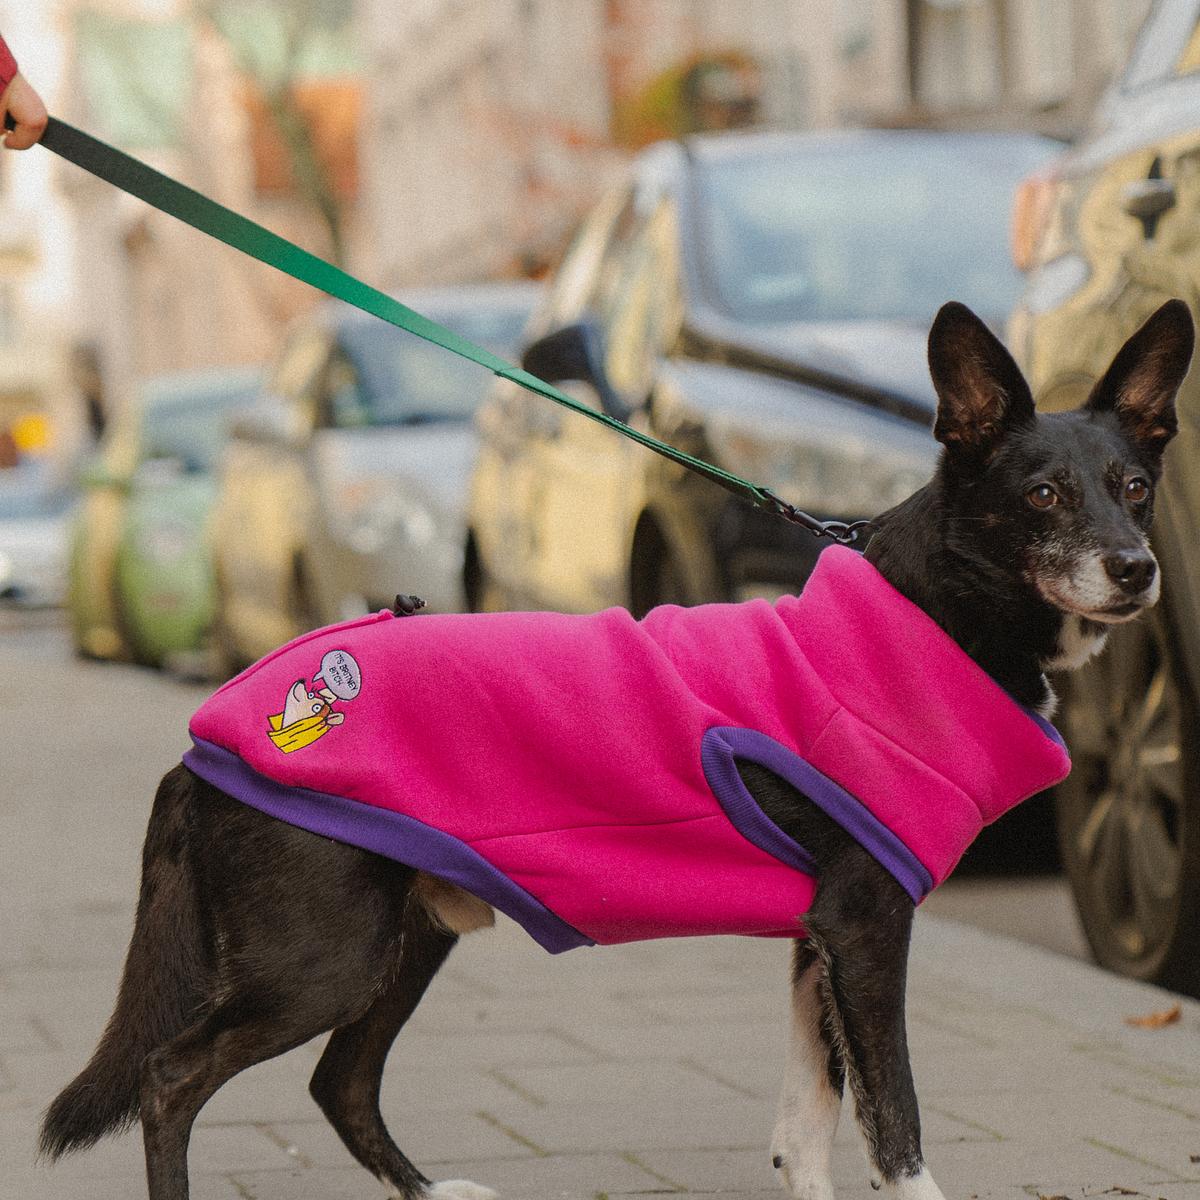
461,1189
804,1169
915,1187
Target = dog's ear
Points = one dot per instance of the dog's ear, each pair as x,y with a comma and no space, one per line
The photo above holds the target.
1140,385
981,391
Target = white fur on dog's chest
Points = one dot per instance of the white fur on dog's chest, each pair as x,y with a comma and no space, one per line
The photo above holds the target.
1076,643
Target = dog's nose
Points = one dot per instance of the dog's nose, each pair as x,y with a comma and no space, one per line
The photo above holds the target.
1132,569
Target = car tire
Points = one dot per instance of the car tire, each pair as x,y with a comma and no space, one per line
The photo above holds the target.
480,589
670,584
1128,815
226,659
133,648
656,572
303,613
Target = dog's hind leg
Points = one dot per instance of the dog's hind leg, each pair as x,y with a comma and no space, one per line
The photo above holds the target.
811,1100
347,1080
180,1077
859,925
306,934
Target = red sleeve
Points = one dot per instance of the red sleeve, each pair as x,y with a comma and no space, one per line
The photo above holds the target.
8,65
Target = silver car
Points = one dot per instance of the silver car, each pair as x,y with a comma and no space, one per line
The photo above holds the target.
348,481
34,519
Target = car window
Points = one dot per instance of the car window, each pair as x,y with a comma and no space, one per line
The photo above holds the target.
192,429
871,228
385,376
642,309
1166,45
31,489
298,373
575,278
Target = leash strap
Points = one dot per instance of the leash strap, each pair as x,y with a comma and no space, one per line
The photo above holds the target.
198,211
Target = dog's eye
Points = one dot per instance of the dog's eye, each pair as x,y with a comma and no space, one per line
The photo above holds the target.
1137,490
1042,496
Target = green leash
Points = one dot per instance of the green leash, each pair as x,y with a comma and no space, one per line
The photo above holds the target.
198,211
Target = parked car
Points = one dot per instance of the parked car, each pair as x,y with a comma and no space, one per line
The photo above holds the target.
758,300
1119,220
141,577
35,508
348,482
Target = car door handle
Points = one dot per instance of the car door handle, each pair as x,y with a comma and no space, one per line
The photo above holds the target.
1148,199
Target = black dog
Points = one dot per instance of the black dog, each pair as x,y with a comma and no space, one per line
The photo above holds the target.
1026,547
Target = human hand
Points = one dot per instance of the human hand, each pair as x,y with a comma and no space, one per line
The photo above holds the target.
29,115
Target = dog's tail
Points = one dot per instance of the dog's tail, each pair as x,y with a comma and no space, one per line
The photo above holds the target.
162,986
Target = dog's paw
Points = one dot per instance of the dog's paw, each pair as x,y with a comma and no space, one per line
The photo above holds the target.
460,1189
804,1177
913,1187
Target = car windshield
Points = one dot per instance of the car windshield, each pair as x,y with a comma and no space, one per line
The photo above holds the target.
31,489
872,231
405,380
189,422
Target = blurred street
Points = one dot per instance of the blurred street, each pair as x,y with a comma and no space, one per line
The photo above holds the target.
645,1069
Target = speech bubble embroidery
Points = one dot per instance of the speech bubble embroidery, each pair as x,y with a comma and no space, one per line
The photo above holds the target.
341,674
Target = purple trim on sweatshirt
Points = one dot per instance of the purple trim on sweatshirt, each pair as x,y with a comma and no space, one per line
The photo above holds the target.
382,831
722,745
1045,726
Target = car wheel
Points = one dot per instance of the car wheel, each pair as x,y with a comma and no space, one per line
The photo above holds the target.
126,627
302,606
226,658
670,583
657,574
483,594
1129,813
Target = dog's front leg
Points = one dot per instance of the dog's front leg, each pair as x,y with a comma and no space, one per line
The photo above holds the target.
859,926
811,1099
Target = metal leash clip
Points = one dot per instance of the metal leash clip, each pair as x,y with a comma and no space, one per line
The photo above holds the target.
845,533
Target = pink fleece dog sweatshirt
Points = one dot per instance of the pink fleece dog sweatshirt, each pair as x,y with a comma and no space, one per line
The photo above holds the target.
579,772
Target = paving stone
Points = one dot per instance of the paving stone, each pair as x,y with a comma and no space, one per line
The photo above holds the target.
424,1136
566,1175
351,1183
630,1123
714,1170
762,1041
649,1084
1036,1117
419,1050
51,1186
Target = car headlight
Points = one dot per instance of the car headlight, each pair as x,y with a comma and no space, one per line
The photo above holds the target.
166,544
1054,283
372,512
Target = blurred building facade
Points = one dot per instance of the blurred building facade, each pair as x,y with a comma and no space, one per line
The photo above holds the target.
37,406
1038,64
493,123
440,140
254,105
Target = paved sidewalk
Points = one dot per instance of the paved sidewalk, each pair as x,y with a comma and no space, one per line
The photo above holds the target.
647,1069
